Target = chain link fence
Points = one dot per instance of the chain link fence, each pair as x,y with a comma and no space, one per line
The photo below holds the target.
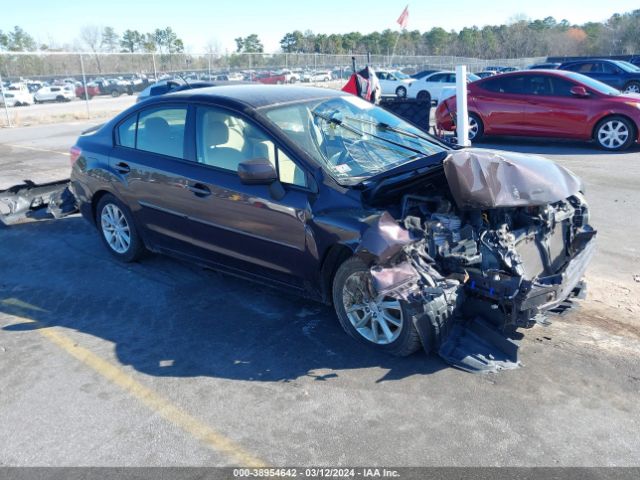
59,65
134,71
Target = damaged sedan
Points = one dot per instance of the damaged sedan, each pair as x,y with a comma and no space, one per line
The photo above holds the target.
417,244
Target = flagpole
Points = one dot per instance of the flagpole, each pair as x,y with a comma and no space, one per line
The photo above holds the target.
402,21
393,52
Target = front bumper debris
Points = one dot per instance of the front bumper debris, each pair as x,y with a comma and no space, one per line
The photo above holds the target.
31,200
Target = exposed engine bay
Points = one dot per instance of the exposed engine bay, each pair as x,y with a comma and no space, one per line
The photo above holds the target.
481,270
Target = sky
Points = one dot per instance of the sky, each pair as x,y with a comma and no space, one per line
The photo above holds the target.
218,22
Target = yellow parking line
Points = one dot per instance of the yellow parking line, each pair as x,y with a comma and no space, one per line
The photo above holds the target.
35,148
148,397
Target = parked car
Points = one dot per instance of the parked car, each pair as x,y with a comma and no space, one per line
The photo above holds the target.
320,76
484,74
289,186
508,69
394,82
548,103
423,73
289,76
271,78
494,68
16,98
55,93
430,87
163,87
620,75
545,66
113,86
92,90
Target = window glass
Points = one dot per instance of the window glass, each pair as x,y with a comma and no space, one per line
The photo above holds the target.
162,131
583,68
224,141
561,87
610,69
441,77
127,132
513,84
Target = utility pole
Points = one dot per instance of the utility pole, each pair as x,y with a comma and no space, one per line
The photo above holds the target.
4,102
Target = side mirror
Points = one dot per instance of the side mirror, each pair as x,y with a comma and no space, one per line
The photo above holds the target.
579,91
258,171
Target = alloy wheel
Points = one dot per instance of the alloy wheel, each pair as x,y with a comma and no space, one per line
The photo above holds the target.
632,88
613,134
473,128
115,228
377,319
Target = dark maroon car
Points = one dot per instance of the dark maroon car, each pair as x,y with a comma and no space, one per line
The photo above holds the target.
321,193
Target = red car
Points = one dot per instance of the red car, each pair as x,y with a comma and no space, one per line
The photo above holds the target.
92,90
271,78
548,103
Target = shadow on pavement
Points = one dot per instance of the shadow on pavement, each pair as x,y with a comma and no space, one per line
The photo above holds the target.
168,318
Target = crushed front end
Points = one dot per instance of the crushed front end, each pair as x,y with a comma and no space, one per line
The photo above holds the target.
506,242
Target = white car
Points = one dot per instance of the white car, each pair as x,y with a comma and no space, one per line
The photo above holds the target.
393,82
55,93
432,86
16,98
290,77
320,76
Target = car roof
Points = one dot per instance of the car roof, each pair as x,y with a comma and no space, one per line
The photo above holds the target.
254,95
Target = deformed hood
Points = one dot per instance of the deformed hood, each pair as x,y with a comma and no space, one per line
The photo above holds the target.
488,179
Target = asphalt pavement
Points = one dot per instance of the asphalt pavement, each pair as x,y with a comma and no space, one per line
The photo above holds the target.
165,363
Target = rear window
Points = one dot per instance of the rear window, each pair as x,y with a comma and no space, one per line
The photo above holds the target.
505,84
127,132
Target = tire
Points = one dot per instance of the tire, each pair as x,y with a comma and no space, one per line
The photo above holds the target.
424,96
115,93
614,133
401,92
632,87
404,339
110,212
478,127
60,98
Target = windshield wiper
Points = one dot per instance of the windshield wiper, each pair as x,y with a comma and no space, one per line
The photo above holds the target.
359,132
384,126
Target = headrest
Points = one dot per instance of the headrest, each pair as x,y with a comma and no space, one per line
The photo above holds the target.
216,133
156,126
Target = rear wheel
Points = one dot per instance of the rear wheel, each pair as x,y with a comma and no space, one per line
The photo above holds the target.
60,98
614,133
401,92
117,229
115,93
476,128
381,322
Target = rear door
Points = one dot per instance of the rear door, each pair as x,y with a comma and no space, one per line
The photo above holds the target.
500,101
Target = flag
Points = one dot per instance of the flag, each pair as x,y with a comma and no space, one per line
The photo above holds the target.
403,19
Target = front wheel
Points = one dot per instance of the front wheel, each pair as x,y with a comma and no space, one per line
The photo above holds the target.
401,92
381,322
614,133
632,87
117,229
424,96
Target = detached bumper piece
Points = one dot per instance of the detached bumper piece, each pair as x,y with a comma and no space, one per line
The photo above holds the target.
36,201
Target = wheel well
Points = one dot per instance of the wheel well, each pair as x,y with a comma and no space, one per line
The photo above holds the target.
336,255
633,124
95,200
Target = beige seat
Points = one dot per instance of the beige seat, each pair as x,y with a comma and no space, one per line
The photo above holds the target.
217,149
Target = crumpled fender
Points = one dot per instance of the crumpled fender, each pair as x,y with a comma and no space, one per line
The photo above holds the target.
481,178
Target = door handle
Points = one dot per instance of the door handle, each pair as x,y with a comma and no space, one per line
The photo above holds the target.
199,190
122,167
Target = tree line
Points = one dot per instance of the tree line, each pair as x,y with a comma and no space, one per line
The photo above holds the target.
519,38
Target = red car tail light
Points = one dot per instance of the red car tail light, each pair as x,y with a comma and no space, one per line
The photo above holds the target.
74,154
